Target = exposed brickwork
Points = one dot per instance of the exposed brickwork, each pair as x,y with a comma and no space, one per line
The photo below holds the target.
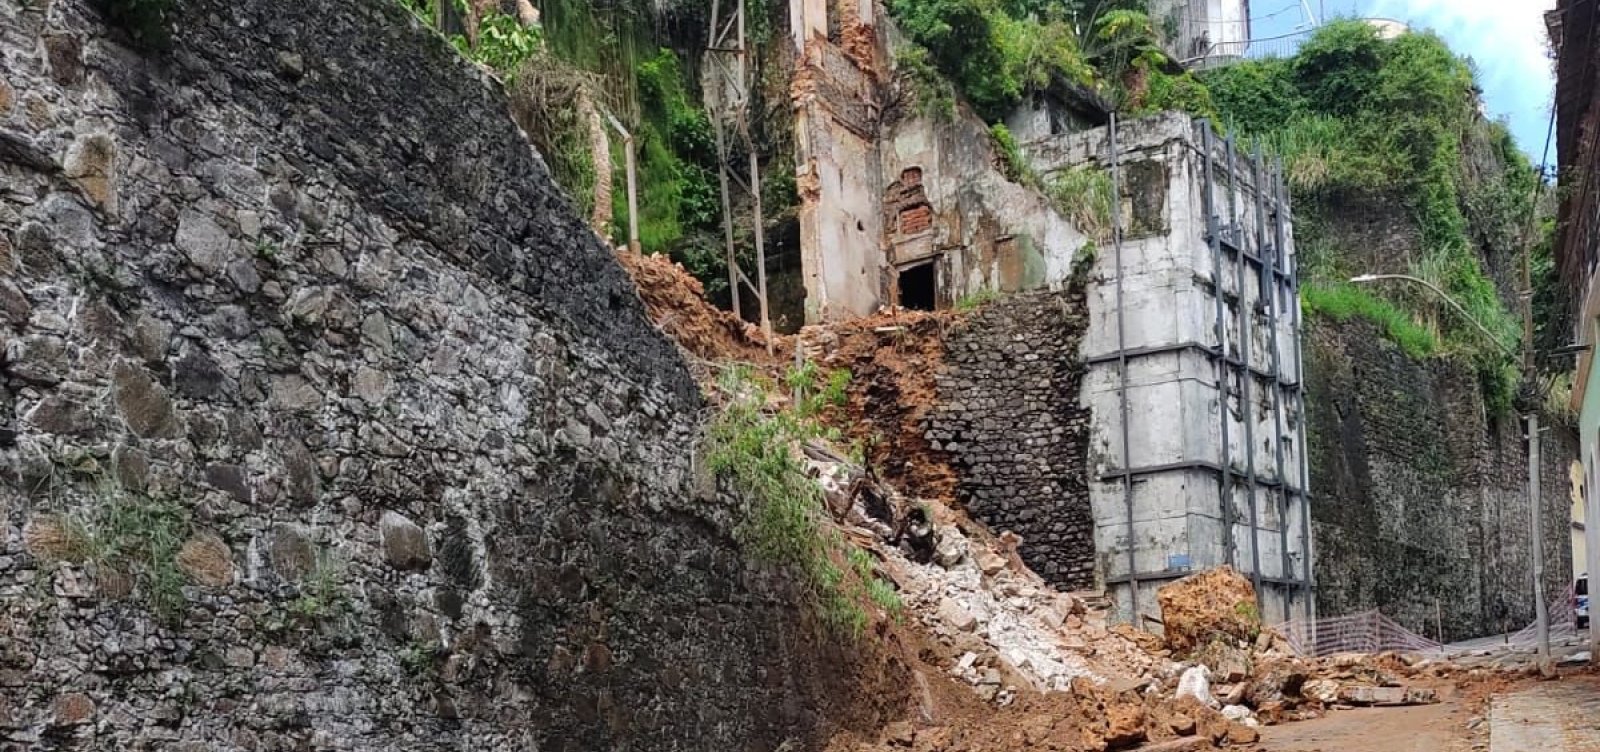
916,219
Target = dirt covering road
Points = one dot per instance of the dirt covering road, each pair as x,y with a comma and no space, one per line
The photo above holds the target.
1444,727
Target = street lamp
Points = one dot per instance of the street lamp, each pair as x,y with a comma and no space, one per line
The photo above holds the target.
1536,521
1446,296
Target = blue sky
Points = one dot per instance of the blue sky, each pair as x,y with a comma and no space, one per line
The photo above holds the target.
1505,38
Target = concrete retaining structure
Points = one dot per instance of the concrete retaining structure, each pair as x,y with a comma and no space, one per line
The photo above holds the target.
1181,511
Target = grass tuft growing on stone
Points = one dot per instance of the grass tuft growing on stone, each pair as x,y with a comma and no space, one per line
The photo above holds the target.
974,300
130,535
1083,196
321,594
1345,301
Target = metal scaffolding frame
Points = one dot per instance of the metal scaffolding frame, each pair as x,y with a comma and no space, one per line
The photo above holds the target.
1261,247
727,97
1249,228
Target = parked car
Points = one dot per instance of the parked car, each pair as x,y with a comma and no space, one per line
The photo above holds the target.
1580,600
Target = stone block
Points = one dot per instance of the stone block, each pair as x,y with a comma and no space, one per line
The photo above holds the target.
405,545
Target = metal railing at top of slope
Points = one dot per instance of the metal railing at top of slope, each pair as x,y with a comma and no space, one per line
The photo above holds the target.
1373,632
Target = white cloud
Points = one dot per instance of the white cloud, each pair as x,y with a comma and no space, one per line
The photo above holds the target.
1508,42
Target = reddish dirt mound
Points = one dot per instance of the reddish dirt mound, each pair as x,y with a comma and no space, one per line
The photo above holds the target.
677,304
893,361
1203,606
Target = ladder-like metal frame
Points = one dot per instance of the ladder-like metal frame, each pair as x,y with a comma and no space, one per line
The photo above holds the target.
727,97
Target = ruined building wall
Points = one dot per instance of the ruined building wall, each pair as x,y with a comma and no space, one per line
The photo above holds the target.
1009,418
300,280
1421,499
949,204
885,189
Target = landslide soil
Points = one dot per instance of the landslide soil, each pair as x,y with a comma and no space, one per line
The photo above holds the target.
676,303
894,360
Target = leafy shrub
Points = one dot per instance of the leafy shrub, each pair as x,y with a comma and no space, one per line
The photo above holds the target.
935,97
992,56
753,446
1182,92
504,43
1012,163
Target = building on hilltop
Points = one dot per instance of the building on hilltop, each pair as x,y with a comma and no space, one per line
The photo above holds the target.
1202,32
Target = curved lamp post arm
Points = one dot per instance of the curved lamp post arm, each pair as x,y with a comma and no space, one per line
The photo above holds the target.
1453,304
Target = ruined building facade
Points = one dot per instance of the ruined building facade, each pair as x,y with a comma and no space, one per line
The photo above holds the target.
1159,431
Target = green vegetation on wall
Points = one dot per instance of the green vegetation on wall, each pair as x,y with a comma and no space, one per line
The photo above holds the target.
589,59
753,446
1356,115
679,202
996,52
992,53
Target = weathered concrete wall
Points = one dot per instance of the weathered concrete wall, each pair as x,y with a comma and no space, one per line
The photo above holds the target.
841,230
884,189
1009,419
986,232
1176,518
301,281
1421,504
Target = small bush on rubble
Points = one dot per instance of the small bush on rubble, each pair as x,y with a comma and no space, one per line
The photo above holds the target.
753,444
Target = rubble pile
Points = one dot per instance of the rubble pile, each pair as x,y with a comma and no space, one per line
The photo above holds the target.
676,303
1000,659
1051,669
1005,627
893,360
1214,604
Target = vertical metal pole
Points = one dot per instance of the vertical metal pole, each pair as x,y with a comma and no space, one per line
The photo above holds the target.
761,249
630,154
1122,375
1307,544
1214,239
1271,292
1247,410
1535,503
714,97
1541,609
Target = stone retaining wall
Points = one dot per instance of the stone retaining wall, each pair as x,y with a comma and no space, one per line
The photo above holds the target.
1010,420
297,327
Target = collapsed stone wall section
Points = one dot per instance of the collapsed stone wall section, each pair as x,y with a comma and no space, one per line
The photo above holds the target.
1010,420
300,278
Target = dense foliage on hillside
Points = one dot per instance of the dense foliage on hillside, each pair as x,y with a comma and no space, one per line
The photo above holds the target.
585,63
1355,115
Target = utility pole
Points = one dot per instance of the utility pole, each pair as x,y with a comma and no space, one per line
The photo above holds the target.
1541,607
